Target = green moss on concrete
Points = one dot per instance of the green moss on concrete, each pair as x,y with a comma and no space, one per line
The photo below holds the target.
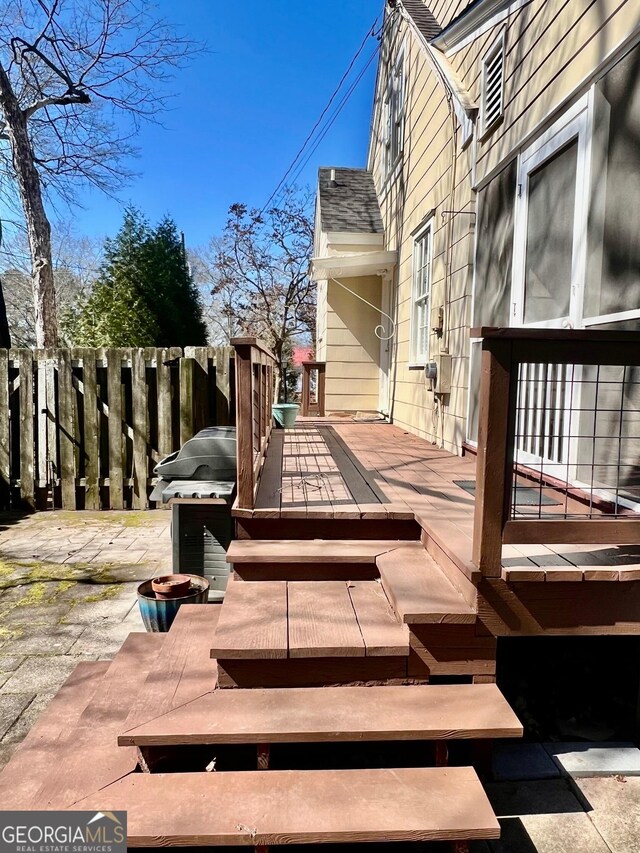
106,593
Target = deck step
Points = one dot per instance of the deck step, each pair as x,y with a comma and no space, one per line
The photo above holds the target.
309,551
22,776
311,806
184,671
312,559
308,715
418,589
81,759
276,620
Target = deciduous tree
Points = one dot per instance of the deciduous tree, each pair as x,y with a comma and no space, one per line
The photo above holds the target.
66,68
259,271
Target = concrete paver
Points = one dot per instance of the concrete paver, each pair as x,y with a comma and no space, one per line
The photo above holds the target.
67,593
596,759
614,804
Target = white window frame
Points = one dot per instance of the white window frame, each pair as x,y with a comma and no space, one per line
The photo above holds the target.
573,125
421,301
498,47
394,115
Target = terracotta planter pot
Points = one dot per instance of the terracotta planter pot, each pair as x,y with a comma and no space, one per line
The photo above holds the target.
171,586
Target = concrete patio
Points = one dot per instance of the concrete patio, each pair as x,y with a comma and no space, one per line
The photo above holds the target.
67,593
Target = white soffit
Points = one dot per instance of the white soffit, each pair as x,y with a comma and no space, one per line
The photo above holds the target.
353,266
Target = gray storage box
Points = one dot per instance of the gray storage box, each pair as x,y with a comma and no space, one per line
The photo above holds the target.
201,533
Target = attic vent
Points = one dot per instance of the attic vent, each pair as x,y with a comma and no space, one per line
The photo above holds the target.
493,86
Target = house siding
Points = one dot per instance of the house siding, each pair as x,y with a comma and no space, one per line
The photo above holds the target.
352,350
552,51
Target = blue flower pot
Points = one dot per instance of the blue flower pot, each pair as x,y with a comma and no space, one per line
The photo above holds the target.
158,614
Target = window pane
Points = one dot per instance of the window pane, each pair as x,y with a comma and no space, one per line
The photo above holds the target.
552,194
494,249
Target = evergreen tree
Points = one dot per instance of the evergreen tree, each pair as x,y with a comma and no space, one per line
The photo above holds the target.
144,295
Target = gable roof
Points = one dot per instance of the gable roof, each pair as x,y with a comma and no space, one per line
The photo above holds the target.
350,203
423,18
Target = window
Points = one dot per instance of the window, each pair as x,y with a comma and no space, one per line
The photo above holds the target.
551,214
420,307
394,116
492,104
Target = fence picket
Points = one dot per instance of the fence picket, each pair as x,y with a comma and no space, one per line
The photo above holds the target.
91,442
27,485
66,432
42,473
140,429
5,454
114,392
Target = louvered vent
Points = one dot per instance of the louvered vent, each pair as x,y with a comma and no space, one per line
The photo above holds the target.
492,86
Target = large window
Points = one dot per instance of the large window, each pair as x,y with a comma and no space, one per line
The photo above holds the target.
421,307
551,216
394,116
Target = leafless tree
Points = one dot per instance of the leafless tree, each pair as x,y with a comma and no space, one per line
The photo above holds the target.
67,67
219,298
260,273
75,264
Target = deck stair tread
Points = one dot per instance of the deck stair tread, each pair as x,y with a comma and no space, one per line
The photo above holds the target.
309,551
21,777
311,806
314,714
82,760
418,589
307,619
184,671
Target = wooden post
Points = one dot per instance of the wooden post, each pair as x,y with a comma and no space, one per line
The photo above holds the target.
244,426
320,388
187,379
306,388
223,385
494,461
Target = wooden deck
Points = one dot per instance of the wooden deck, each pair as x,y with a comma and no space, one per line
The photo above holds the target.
340,470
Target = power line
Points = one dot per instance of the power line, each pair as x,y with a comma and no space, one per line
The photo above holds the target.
371,33
333,118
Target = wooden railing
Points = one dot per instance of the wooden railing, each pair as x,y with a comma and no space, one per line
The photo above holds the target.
311,406
559,417
254,398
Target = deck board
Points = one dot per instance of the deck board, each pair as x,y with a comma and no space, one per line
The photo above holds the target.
310,806
253,622
184,671
318,714
322,621
410,478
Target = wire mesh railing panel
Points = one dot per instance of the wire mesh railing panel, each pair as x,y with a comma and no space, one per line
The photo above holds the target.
577,441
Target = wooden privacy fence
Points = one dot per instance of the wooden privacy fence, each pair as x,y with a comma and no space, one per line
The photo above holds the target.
254,384
84,428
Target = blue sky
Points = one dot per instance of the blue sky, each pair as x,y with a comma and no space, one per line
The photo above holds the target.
244,109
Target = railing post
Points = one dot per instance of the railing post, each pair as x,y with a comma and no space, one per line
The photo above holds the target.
244,425
494,461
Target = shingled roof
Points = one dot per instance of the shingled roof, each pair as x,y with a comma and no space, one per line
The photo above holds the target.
349,203
422,18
